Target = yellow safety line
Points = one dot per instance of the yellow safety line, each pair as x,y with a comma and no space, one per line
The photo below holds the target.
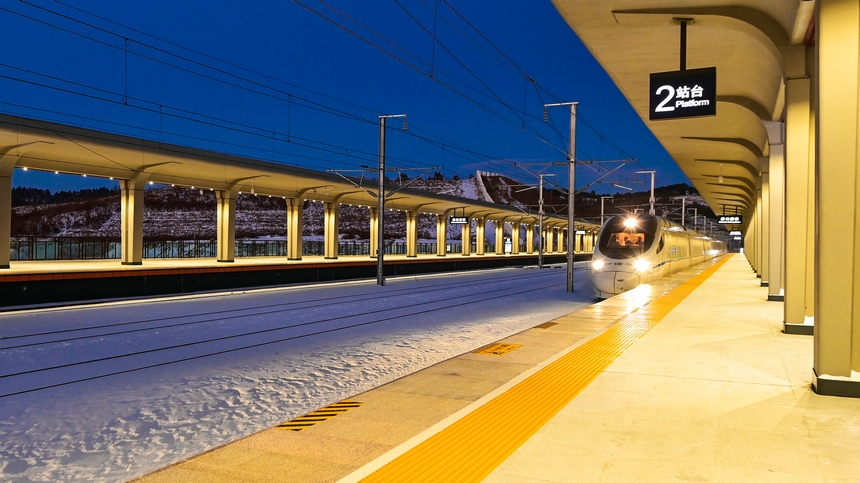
472,447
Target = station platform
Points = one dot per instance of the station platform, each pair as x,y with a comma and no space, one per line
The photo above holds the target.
29,283
686,379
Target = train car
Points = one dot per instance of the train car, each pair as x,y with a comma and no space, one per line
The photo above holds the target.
637,249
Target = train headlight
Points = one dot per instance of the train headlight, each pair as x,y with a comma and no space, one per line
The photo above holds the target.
597,264
641,265
630,222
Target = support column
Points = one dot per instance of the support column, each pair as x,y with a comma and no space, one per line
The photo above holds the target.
331,234
467,237
764,257
776,225
295,225
797,201
757,235
374,231
837,263
480,227
441,235
411,234
550,239
530,238
226,213
500,237
131,226
515,238
7,168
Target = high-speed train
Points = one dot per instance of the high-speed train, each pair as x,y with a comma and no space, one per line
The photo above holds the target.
637,249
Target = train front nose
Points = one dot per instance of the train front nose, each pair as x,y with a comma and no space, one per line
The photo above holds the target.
611,282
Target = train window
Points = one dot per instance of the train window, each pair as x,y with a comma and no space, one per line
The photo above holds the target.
660,246
619,239
626,240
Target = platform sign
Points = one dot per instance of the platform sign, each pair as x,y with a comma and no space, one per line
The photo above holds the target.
458,220
683,93
580,232
731,220
738,238
735,233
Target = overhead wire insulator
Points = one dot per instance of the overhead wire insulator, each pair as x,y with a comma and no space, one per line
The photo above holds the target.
545,115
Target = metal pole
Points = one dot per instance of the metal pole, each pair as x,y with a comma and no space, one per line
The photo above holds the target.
540,224
571,170
571,198
602,198
683,210
380,221
380,242
652,200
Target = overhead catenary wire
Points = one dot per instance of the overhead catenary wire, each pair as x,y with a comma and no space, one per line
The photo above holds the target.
275,92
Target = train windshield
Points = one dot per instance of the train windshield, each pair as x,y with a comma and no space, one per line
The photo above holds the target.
626,240
627,237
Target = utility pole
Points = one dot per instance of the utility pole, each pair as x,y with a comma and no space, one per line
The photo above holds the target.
683,210
651,210
540,223
571,160
380,225
602,199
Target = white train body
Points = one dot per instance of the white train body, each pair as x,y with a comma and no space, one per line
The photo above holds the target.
638,249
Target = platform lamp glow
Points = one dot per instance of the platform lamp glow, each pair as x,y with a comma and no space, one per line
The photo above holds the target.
571,170
380,237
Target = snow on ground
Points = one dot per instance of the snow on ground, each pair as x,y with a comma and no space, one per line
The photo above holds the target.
314,345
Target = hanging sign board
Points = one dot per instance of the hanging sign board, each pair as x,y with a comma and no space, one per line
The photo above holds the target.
731,220
580,232
738,238
735,233
683,93
458,220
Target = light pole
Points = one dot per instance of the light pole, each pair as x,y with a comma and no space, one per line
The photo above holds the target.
683,210
651,201
695,217
380,225
571,159
540,223
602,198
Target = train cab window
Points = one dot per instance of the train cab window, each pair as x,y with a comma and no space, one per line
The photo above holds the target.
624,237
661,244
626,240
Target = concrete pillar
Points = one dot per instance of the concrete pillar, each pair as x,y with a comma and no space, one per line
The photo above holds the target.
764,227
776,215
374,229
411,234
131,226
757,234
441,235
480,227
500,237
226,226
7,168
515,238
295,225
530,238
550,239
837,207
798,197
467,238
331,232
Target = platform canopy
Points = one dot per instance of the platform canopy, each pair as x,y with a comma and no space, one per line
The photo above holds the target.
47,146
754,46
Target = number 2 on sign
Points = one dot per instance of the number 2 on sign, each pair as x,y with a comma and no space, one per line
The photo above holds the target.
662,107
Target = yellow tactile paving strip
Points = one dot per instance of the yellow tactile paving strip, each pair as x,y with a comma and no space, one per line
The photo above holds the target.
472,447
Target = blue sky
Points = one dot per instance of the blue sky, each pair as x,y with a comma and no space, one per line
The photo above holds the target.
300,83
